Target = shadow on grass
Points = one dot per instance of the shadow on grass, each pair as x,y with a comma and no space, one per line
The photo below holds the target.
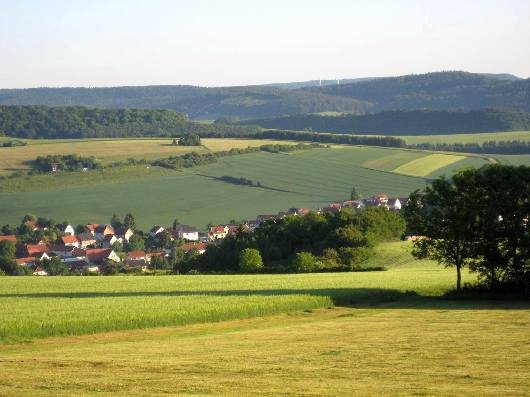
354,297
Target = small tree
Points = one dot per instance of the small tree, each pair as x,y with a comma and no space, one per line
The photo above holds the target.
175,223
129,222
250,261
304,262
110,268
174,143
54,266
115,221
354,194
136,243
7,257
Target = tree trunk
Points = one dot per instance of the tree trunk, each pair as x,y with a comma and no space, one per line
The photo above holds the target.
458,279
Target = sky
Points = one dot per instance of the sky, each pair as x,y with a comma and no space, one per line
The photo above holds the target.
92,43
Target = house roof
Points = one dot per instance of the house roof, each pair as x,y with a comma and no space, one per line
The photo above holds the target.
86,237
27,259
98,254
109,237
186,229
33,249
156,228
11,238
161,254
69,239
101,229
136,255
194,246
218,229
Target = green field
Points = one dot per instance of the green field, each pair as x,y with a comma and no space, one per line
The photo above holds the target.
290,335
111,150
426,165
308,178
57,306
468,138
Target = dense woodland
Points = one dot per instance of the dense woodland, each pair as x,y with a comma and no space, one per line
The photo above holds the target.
404,122
441,90
196,102
83,122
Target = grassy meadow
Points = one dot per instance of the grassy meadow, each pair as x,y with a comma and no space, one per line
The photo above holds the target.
64,306
308,178
334,334
468,138
111,150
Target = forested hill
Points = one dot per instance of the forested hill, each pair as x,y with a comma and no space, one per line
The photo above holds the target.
82,122
442,90
405,122
196,102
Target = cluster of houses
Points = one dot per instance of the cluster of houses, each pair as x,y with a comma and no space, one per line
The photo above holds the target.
88,251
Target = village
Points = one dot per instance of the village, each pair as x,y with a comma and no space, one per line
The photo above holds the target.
93,249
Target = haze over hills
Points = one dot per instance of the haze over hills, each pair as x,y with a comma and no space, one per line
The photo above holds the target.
441,90
437,91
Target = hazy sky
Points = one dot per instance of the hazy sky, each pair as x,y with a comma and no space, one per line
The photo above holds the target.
232,42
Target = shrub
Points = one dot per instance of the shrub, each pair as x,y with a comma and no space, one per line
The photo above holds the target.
304,262
250,261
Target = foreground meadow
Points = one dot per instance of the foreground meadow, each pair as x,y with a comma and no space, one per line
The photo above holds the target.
342,334
58,306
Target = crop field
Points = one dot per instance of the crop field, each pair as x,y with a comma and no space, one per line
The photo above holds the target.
289,335
309,178
111,150
468,138
58,306
514,159
426,165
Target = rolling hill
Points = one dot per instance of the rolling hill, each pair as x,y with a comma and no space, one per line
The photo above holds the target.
196,102
404,122
440,90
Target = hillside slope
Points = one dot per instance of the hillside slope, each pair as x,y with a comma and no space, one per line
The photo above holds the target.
196,102
441,90
405,122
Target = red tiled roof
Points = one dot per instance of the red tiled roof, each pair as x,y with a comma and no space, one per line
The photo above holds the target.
161,254
11,238
97,254
33,249
136,254
69,239
191,246
28,259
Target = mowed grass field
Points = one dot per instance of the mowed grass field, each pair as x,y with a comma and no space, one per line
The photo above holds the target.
111,150
280,335
468,138
309,178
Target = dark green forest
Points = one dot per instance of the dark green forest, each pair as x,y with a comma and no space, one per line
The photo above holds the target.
440,90
195,102
83,122
404,122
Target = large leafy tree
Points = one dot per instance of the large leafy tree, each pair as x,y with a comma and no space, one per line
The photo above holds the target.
445,215
7,257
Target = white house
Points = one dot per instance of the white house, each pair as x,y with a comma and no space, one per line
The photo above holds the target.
67,230
156,230
186,232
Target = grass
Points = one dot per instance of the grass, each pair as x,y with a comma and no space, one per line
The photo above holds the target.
514,159
111,150
309,178
267,335
480,350
60,306
426,165
468,138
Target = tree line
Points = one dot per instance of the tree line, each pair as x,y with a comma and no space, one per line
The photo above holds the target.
479,219
83,122
337,241
403,122
490,147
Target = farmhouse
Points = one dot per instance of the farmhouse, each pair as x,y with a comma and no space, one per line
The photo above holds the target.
199,247
138,259
186,232
35,249
95,256
124,234
66,229
86,240
102,231
109,240
218,232
70,241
